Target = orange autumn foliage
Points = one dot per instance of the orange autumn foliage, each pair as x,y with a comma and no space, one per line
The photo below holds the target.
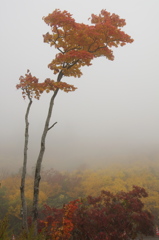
31,87
67,222
78,44
60,225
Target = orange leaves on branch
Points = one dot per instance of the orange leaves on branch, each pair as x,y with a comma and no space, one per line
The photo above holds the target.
28,84
32,88
106,16
51,85
80,43
60,19
72,61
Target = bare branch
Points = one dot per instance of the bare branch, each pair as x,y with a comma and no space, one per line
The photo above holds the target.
52,126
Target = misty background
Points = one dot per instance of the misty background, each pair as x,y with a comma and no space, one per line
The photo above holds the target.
114,113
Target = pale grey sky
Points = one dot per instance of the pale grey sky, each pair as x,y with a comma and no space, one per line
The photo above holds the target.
116,106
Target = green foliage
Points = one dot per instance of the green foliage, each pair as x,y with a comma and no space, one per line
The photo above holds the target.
4,229
30,235
4,203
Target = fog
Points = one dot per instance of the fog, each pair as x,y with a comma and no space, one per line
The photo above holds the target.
114,113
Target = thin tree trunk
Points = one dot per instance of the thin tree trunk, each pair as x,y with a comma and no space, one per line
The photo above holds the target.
37,176
23,177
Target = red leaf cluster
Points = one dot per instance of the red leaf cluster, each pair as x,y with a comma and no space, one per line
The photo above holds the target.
109,216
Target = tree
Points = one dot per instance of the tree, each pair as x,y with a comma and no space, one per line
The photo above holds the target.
77,44
28,84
